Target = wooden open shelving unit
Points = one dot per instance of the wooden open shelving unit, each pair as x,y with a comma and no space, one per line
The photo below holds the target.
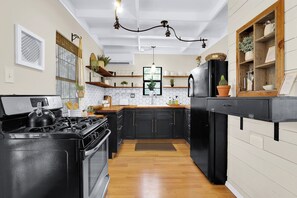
126,87
264,72
127,76
175,87
100,84
102,71
175,76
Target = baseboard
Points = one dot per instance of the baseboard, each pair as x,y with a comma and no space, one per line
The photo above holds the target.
233,190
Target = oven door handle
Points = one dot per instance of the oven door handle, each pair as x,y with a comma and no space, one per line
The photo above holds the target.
93,150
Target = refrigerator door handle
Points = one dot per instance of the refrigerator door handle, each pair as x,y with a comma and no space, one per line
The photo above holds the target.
191,86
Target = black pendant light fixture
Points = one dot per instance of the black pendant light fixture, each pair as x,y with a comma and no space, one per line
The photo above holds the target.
164,24
153,67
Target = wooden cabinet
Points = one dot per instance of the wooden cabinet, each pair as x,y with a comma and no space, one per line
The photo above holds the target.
163,124
115,122
187,125
260,68
144,123
154,123
129,124
178,123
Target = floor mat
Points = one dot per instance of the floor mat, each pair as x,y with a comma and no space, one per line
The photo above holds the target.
154,147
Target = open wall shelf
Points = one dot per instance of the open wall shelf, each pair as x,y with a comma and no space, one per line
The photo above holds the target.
102,71
267,65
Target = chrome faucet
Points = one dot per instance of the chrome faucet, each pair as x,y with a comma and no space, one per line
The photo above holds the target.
152,97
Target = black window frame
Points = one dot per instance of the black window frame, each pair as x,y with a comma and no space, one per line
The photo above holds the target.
157,81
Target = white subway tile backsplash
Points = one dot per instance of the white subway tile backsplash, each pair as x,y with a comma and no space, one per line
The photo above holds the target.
140,99
94,95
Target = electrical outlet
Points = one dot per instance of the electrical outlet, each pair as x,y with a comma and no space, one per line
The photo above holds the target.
132,95
9,75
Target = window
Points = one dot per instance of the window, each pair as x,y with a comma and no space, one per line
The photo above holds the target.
66,68
156,77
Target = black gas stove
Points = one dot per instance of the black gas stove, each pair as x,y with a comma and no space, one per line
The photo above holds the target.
69,155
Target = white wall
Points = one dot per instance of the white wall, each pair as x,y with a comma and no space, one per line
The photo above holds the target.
220,47
171,63
258,166
174,63
44,18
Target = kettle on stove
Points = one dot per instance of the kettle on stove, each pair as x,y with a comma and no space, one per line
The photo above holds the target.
41,117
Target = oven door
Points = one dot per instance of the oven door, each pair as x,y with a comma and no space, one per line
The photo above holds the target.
95,169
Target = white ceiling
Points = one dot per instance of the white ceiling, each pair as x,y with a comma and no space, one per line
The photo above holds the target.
191,19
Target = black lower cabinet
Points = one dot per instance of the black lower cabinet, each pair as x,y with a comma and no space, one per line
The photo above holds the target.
187,125
129,124
178,122
115,122
163,124
144,123
154,123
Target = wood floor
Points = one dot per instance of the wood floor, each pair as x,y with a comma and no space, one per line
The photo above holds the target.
159,174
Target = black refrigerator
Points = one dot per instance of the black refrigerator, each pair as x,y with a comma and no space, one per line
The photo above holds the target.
208,139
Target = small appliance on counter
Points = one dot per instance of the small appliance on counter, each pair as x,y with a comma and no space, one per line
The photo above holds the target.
43,154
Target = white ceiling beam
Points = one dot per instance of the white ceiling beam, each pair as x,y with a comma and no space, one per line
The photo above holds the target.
174,16
98,13
219,6
137,22
144,15
69,7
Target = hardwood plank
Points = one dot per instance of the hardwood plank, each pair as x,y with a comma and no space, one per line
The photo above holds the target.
159,174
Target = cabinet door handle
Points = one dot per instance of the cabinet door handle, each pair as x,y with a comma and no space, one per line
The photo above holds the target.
173,118
133,118
153,126
156,126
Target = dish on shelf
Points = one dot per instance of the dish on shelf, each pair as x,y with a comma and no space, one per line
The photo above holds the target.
268,87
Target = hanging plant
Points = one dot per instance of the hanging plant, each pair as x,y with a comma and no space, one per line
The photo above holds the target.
80,90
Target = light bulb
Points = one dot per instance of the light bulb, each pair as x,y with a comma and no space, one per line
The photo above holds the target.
117,4
153,68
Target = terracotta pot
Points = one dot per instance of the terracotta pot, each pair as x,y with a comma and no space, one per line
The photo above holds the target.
223,90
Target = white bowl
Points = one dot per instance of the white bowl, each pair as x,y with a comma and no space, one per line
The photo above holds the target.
268,87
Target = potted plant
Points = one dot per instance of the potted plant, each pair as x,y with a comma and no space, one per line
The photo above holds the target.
124,83
103,60
80,90
247,47
223,87
172,82
151,85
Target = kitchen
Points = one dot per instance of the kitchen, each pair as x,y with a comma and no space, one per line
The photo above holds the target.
261,155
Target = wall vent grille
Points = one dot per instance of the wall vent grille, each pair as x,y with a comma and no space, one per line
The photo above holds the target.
29,49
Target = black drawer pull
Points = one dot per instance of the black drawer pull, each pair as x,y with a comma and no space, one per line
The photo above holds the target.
227,105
